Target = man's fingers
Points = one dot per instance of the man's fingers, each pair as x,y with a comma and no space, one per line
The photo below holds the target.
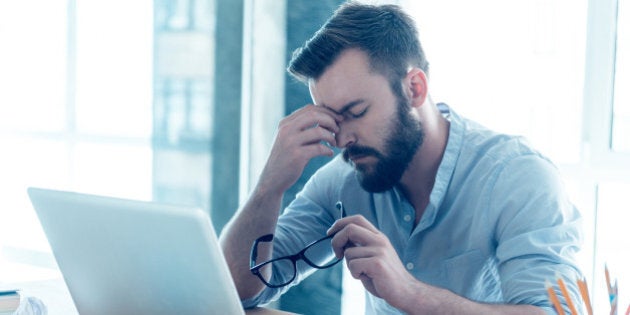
317,149
356,220
359,267
318,134
312,116
358,252
353,235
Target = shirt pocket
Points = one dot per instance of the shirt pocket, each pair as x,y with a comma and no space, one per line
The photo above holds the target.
462,271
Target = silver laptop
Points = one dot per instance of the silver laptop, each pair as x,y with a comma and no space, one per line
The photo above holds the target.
122,256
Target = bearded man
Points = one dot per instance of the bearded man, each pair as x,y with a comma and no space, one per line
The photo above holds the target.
432,212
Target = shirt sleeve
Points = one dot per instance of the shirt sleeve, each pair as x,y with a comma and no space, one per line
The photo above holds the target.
538,231
306,219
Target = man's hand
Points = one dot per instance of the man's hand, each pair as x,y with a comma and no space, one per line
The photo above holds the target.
299,139
371,258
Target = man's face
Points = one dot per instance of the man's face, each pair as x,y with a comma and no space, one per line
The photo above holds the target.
404,137
378,133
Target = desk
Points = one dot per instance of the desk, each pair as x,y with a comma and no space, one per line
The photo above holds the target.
55,295
265,311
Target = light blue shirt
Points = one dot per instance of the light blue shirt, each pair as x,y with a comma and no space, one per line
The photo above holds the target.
498,224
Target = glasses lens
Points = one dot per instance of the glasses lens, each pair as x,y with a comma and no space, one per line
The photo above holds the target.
284,270
321,253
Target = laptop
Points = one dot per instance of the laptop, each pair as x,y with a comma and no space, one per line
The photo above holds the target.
121,256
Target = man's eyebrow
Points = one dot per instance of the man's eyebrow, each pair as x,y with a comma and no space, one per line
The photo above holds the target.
346,107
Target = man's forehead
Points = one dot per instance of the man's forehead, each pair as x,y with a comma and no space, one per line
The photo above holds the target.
337,107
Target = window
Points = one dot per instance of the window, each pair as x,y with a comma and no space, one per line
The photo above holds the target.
76,110
621,111
514,66
100,97
607,161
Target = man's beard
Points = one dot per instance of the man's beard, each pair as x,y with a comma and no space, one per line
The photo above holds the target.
401,144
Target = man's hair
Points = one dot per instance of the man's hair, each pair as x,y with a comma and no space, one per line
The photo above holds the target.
385,33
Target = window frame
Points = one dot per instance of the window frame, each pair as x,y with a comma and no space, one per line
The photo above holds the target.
599,84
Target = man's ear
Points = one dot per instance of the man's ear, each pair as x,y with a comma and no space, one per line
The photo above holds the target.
416,86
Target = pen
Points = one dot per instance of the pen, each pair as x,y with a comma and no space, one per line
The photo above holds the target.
342,210
567,297
554,298
582,285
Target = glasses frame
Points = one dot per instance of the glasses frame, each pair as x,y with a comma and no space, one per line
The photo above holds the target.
255,268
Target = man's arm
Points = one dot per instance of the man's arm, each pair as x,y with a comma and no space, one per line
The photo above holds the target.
298,140
371,258
258,217
445,302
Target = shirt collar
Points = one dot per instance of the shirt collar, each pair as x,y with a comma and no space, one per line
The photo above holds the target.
447,165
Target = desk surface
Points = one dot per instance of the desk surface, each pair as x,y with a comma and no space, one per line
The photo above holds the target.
265,311
58,301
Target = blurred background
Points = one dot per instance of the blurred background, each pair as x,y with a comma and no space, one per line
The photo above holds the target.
177,101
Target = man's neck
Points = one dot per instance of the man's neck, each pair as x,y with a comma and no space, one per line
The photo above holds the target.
418,180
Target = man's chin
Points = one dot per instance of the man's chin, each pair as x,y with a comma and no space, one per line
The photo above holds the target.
374,184
364,169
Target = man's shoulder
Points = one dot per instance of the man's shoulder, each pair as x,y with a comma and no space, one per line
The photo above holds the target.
485,143
487,156
477,142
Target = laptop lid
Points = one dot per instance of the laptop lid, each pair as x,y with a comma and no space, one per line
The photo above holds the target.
121,256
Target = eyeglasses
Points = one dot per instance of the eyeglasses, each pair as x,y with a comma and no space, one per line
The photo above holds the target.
316,254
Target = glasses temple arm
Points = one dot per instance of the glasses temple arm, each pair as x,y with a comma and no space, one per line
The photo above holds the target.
254,252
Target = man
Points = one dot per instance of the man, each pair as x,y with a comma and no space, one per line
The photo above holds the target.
442,215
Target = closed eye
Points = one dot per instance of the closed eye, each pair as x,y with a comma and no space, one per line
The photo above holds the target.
359,114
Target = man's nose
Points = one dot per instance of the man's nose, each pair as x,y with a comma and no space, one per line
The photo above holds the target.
345,137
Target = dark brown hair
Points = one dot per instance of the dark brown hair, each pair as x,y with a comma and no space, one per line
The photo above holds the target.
384,32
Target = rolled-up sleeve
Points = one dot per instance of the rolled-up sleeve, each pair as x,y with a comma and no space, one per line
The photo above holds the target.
306,219
538,231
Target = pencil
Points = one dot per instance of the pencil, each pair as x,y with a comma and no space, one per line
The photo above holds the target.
613,306
583,286
554,298
615,299
628,310
608,286
567,297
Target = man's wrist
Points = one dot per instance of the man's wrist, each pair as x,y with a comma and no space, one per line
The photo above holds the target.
425,299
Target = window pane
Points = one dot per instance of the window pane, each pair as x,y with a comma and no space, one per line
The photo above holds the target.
122,170
621,110
33,90
515,66
114,48
28,162
112,59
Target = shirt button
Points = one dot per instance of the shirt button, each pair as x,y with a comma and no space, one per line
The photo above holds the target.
409,266
407,218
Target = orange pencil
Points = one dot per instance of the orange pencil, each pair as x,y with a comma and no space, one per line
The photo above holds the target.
585,295
567,297
554,298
